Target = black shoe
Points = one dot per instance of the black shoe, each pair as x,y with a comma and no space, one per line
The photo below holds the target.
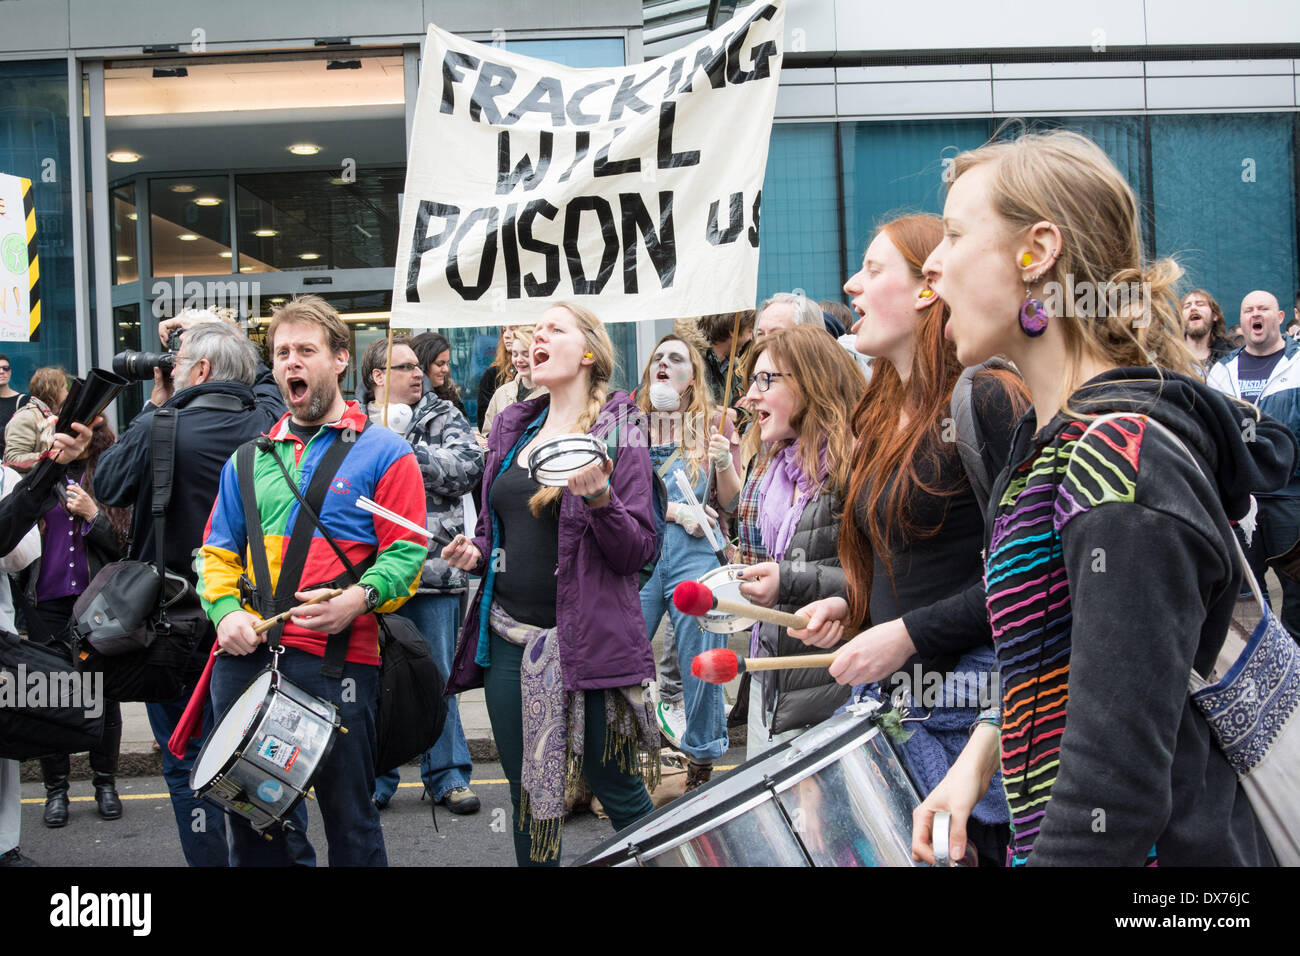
15,858
106,798
56,808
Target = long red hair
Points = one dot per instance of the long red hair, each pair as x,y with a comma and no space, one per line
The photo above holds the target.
884,450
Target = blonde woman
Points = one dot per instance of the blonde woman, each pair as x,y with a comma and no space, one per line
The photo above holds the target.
519,388
802,392
1111,570
684,440
554,634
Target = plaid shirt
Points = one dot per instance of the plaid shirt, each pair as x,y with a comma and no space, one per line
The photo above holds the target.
749,547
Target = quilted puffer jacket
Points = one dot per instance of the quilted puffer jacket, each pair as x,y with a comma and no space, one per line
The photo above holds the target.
795,698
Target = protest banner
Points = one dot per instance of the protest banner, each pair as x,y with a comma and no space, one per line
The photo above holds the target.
634,191
20,297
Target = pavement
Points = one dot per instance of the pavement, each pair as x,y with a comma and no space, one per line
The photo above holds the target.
140,756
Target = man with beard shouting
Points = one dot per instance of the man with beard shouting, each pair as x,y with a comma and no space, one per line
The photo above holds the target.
1204,328
308,344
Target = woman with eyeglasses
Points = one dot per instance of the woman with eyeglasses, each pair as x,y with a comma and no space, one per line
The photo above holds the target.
802,389
10,401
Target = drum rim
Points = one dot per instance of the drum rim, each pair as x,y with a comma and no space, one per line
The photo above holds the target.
276,679
243,740
721,622
544,453
615,850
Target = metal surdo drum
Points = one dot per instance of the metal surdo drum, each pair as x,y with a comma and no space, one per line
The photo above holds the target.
552,462
836,796
266,750
725,583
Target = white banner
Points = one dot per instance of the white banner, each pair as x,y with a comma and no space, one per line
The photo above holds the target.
634,191
17,273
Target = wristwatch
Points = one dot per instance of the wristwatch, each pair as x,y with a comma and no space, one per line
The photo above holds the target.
372,596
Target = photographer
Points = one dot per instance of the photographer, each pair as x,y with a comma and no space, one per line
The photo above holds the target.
223,397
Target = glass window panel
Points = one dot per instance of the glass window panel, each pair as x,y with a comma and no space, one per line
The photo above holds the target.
799,246
126,254
318,220
582,54
190,225
1224,203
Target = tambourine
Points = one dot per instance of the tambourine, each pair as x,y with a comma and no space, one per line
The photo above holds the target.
725,582
553,462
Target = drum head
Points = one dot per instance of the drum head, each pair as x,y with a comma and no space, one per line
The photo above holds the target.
725,583
552,462
229,731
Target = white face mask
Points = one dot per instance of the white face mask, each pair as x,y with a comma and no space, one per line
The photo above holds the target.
663,397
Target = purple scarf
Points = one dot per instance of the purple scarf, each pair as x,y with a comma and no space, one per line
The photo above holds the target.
780,510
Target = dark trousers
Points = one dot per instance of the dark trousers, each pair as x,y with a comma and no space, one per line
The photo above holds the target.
200,825
622,794
343,783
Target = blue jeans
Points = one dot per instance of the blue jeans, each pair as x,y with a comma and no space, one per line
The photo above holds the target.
447,764
685,558
203,834
343,783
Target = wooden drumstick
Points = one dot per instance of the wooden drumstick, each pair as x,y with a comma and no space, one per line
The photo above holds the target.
261,627
695,599
722,664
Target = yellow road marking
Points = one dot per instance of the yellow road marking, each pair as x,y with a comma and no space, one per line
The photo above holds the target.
487,782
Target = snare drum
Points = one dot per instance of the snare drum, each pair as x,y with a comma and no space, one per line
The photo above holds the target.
266,750
552,462
725,582
836,796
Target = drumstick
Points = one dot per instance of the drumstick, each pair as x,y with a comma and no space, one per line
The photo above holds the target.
365,504
695,599
261,627
722,664
701,515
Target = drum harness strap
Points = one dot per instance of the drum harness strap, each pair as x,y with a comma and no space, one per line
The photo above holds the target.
295,557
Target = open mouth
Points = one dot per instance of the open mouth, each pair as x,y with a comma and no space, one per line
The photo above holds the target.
1257,325
298,389
662,376
763,417
540,355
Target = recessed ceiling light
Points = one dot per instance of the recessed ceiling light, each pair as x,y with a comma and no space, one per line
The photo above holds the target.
207,201
123,156
265,233
226,255
309,255
245,268
304,149
278,299
340,181
125,258
187,237
133,216
183,187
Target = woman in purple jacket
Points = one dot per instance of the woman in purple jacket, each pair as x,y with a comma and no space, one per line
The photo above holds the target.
560,588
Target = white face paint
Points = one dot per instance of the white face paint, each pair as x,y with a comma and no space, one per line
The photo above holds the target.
671,364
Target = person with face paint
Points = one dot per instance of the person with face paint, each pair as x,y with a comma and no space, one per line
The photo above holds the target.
911,545
554,634
803,388
684,439
1111,569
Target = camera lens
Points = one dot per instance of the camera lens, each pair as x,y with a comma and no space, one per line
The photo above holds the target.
140,365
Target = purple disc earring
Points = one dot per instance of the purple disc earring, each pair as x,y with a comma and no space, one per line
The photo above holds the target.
1033,316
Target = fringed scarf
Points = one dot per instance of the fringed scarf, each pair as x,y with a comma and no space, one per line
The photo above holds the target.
553,722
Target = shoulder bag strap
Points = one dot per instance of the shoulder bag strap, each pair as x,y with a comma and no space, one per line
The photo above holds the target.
162,445
295,557
263,602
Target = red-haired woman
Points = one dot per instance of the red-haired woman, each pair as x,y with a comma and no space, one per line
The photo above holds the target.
911,547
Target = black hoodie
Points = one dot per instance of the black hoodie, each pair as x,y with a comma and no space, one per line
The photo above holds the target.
1105,757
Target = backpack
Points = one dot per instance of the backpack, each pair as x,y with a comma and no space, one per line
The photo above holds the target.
970,444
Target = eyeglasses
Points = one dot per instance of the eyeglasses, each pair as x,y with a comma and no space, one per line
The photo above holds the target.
405,367
764,379
4,368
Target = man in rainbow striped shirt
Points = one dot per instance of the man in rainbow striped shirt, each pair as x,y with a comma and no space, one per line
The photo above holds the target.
308,343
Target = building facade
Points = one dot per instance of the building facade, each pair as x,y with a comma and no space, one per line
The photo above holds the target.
237,154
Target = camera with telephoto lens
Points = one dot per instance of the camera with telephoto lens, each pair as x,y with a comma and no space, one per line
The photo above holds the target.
140,365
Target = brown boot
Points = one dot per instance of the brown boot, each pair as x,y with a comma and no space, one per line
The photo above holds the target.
697,774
